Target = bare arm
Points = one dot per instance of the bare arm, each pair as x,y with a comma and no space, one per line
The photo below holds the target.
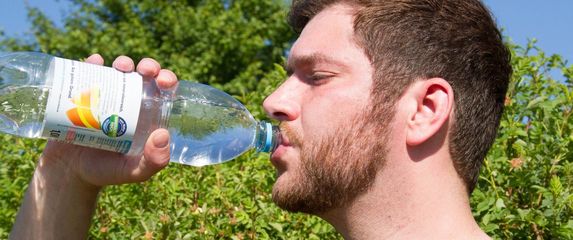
56,205
62,194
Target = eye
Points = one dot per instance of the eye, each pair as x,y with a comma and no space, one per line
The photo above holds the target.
319,77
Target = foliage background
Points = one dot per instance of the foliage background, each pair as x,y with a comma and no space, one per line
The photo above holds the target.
524,191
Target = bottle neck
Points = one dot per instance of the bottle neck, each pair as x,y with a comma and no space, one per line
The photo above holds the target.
267,138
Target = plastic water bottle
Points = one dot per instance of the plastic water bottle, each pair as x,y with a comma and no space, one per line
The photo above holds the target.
42,96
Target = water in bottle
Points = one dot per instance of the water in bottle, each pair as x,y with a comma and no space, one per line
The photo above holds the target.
42,96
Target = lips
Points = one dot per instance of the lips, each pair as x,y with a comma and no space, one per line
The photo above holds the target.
284,141
277,157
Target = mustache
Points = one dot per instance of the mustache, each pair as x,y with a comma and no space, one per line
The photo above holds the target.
293,136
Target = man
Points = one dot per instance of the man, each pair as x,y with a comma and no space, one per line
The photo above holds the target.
387,113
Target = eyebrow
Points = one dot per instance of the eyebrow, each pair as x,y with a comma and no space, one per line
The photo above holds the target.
310,59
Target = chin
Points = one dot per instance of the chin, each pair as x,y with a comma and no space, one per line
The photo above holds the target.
282,178
286,181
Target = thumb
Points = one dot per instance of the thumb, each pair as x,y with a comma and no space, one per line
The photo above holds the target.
155,155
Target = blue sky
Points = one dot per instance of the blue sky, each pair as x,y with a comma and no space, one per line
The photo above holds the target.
521,20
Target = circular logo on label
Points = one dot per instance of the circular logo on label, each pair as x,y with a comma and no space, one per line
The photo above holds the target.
114,126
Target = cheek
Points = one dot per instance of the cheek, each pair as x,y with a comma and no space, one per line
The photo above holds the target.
324,113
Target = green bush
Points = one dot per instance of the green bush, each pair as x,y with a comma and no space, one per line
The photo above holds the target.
524,190
525,187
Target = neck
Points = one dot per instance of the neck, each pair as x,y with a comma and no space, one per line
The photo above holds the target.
409,203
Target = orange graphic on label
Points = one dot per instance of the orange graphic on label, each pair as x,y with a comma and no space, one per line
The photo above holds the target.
82,115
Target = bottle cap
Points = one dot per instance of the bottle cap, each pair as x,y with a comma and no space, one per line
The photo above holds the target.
269,138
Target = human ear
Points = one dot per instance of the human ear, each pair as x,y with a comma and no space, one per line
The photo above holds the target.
434,100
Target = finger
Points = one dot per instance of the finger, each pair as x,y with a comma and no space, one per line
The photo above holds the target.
166,80
148,67
155,155
95,59
124,64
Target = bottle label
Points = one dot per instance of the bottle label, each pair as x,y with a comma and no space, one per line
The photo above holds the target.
93,106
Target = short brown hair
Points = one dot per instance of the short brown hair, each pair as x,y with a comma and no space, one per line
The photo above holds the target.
457,40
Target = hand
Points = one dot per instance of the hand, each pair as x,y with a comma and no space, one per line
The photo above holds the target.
96,168
62,194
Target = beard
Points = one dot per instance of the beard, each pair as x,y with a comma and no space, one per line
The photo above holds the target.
336,168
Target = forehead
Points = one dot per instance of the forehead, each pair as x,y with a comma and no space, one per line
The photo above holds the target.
330,34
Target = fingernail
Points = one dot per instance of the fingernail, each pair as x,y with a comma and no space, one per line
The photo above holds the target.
160,140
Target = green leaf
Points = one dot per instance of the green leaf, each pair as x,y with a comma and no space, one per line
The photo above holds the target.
483,206
556,186
536,101
277,226
499,203
485,219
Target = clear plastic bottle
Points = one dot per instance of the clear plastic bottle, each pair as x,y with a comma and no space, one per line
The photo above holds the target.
207,126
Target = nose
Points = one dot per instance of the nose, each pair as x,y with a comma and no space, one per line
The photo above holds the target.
284,103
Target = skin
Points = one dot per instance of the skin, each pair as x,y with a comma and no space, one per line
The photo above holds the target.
417,194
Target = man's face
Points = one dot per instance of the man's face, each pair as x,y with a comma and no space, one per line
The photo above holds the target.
331,151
